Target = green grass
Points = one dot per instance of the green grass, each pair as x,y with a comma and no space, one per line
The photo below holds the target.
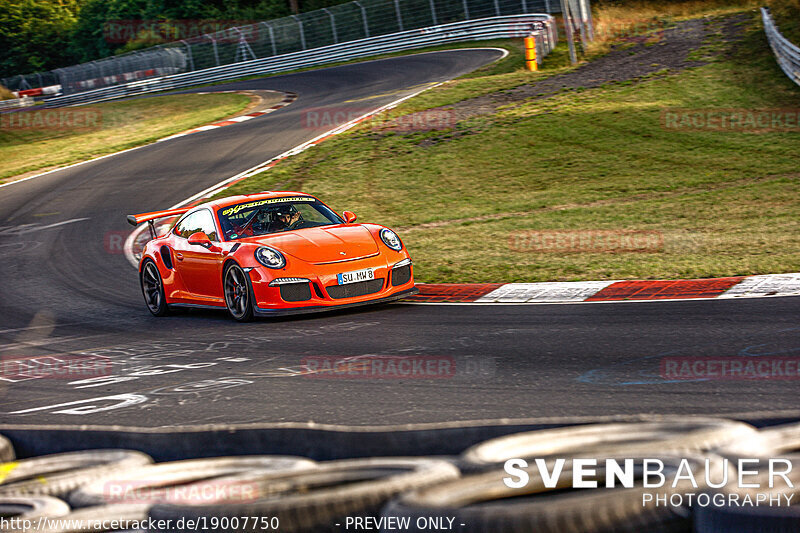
787,16
120,125
725,202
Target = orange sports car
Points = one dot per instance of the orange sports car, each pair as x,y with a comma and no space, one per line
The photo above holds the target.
268,254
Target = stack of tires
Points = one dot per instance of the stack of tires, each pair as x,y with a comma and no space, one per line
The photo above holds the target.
467,493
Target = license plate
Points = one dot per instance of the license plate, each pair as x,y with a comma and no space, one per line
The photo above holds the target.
355,276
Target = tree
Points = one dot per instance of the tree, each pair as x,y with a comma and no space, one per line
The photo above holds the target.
35,34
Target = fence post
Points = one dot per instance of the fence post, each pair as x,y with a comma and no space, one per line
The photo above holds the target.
466,10
302,34
524,6
581,24
589,23
244,47
189,53
433,13
568,27
333,25
497,7
271,38
363,16
214,45
399,16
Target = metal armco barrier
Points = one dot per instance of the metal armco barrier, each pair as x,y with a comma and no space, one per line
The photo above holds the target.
24,101
786,53
503,27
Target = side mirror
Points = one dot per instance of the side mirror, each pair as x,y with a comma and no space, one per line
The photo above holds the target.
349,217
200,239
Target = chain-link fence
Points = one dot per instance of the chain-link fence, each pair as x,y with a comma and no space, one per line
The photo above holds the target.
352,21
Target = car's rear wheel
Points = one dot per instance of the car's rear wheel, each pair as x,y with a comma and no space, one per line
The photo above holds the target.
238,293
153,289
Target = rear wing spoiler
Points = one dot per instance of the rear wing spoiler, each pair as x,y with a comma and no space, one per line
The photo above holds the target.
135,220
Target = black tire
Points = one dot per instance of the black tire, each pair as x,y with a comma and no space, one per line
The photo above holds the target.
591,511
484,504
6,450
769,441
148,480
31,508
618,438
153,289
84,520
773,442
238,293
315,501
58,474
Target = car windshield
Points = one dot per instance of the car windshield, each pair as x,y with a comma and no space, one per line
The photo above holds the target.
274,215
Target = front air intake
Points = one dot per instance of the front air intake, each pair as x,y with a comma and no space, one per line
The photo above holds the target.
351,290
401,275
296,292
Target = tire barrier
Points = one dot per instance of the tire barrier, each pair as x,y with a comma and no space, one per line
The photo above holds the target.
301,495
483,503
645,437
316,500
151,483
31,508
6,450
780,442
90,519
58,474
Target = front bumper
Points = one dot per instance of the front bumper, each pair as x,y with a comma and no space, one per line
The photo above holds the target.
323,290
258,311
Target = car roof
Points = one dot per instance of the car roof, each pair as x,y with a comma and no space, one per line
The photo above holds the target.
233,200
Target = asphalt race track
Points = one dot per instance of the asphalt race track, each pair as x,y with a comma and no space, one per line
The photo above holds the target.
67,291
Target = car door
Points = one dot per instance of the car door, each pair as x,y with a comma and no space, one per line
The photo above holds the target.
199,268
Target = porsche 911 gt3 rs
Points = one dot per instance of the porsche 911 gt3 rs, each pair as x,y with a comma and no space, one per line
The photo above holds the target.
268,254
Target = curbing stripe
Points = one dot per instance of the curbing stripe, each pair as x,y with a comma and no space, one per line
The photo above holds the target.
609,291
453,292
665,289
287,99
768,285
573,291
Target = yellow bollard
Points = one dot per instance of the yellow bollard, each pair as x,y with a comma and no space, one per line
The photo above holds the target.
530,53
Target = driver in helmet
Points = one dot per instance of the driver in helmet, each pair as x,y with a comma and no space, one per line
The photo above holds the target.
286,218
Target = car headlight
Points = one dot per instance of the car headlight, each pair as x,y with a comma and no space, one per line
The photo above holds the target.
270,258
391,239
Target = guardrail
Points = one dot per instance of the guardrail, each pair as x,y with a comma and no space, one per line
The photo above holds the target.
540,25
786,53
25,101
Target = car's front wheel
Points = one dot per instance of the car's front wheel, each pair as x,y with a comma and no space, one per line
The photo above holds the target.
153,289
238,293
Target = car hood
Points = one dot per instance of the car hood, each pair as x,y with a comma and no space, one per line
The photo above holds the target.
324,244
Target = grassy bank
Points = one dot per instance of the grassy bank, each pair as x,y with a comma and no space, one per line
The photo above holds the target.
723,202
36,140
